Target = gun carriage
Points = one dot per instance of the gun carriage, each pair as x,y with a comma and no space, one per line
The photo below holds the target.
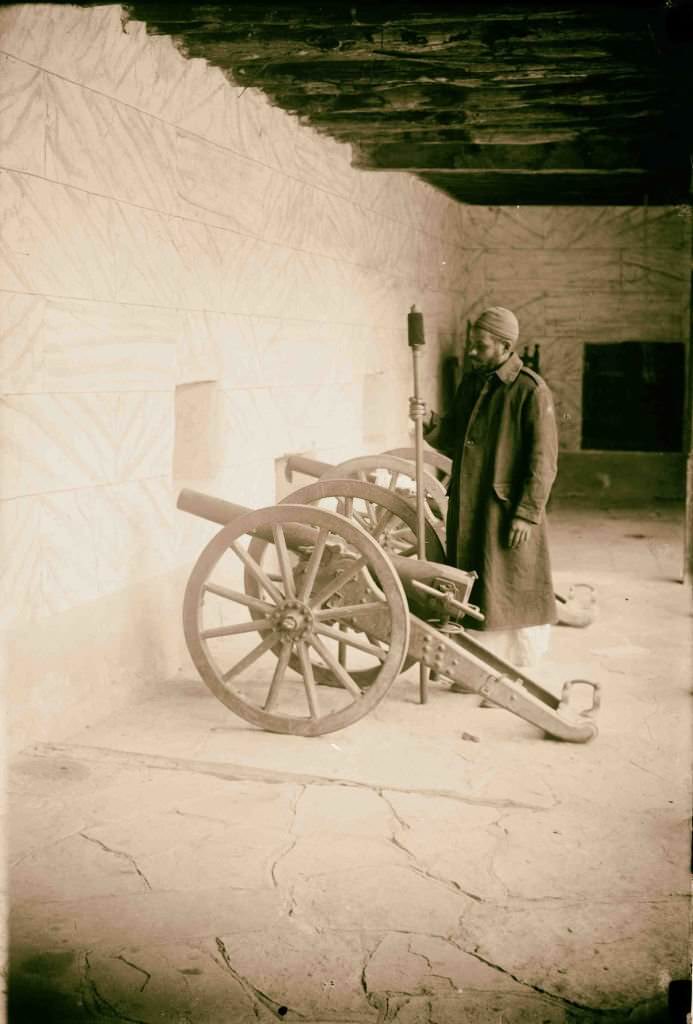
300,616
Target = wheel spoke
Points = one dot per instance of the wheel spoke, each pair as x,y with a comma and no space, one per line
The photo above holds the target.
278,677
383,519
239,598
433,511
284,563
352,641
400,531
308,679
349,609
244,627
337,668
394,477
363,520
345,506
251,657
363,476
341,648
313,565
334,585
257,571
429,513
372,515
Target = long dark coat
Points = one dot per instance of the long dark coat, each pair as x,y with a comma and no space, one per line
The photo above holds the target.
501,434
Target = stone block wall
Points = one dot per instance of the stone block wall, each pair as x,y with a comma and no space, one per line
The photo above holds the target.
193,285
580,274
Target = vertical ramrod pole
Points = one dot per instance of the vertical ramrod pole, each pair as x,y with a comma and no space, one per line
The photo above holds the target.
416,341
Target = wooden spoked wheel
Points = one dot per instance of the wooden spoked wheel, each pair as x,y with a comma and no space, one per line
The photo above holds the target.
399,476
441,463
389,518
257,651
386,516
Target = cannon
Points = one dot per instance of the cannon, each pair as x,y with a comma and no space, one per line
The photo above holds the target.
396,468
299,620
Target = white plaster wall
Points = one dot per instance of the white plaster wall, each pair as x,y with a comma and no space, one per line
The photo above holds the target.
162,227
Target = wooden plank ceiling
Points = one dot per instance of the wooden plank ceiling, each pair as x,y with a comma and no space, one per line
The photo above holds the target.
492,103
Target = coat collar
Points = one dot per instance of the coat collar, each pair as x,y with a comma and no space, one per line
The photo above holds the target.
508,371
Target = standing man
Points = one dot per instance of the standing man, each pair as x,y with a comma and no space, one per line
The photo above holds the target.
501,434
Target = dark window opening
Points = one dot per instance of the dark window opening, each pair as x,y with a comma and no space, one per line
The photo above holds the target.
632,396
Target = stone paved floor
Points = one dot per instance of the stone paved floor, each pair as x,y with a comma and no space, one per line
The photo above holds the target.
174,864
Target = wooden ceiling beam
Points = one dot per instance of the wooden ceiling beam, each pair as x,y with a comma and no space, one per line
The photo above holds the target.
554,23
478,127
449,98
373,64
625,188
581,153
495,137
380,114
491,101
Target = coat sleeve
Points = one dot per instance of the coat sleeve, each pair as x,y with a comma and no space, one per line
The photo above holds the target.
444,435
441,435
541,439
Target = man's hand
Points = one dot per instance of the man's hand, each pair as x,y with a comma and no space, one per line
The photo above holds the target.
520,532
417,409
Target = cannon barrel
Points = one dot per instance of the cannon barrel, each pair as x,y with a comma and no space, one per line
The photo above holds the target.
309,467
410,571
216,510
207,507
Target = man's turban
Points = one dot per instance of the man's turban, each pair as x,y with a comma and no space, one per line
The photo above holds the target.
499,322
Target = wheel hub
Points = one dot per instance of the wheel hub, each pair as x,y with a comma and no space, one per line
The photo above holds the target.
293,619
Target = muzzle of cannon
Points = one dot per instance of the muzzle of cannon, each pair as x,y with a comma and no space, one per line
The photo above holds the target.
299,620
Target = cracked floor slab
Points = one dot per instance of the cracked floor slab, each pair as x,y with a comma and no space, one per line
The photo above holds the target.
311,973
173,863
601,957
169,982
419,964
473,1009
